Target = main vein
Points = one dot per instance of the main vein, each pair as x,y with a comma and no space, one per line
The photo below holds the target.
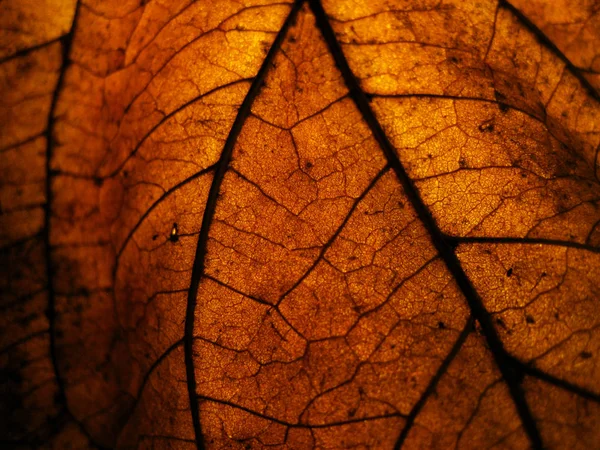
511,374
66,44
209,212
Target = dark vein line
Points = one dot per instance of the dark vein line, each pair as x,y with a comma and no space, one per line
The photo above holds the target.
510,373
494,28
26,141
566,385
28,50
168,116
66,44
597,163
22,340
209,211
297,425
545,40
334,236
157,362
237,291
433,383
22,241
518,240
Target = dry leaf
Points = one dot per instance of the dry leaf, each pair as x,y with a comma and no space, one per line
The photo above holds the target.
264,224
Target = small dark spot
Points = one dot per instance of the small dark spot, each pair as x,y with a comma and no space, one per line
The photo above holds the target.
292,38
501,323
352,258
308,164
487,126
125,174
544,274
523,175
401,204
174,235
429,155
441,325
499,95
155,237
585,355
453,59
503,107
556,315
529,319
509,272
98,181
462,162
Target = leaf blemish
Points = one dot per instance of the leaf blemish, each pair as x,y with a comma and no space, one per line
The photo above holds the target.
487,126
174,235
529,319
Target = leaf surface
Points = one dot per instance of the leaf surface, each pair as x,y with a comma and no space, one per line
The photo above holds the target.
299,225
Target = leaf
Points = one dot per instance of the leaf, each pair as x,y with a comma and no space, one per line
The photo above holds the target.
294,225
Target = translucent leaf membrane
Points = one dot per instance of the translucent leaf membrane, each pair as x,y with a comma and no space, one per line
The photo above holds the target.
573,28
153,120
487,170
268,224
31,23
427,51
312,325
542,299
470,408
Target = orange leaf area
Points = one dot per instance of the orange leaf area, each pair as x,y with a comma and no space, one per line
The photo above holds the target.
328,224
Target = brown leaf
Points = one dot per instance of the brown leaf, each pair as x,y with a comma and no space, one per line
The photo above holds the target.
299,225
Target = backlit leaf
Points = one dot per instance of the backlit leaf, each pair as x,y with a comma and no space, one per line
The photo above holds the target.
320,224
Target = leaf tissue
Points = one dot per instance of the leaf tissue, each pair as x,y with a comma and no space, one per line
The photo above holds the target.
320,224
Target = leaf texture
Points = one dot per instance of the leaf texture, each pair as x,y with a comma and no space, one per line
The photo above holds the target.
311,224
